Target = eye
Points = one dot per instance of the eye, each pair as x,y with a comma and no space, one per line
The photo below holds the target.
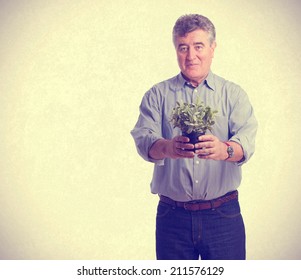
199,47
183,49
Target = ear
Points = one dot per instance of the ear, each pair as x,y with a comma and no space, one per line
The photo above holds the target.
213,46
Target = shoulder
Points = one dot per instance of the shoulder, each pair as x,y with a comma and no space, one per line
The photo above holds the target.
226,87
163,88
224,83
170,84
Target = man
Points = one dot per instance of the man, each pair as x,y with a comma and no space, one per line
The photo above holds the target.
198,215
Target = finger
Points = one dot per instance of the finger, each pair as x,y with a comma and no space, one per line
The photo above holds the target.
207,137
182,142
185,153
183,146
188,154
182,139
202,145
179,147
206,156
205,151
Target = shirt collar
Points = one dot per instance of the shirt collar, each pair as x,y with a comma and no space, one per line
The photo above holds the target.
209,81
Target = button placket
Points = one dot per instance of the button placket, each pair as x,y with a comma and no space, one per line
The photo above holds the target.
196,175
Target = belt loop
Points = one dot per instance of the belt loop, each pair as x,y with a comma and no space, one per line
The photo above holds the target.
212,205
185,206
174,205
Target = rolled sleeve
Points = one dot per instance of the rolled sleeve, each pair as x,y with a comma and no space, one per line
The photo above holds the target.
144,140
243,125
148,128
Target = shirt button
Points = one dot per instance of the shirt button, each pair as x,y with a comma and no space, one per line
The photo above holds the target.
197,162
196,181
195,91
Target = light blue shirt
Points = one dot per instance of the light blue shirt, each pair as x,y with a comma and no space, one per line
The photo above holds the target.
193,179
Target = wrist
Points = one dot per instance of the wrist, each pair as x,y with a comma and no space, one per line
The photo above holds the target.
229,151
158,150
165,147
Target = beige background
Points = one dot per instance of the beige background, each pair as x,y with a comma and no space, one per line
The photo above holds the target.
72,75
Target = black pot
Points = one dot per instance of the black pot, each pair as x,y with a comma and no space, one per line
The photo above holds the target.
193,137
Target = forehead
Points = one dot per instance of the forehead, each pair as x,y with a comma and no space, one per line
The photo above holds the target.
194,37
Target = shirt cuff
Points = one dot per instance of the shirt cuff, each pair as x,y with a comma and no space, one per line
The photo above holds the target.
159,162
144,142
246,154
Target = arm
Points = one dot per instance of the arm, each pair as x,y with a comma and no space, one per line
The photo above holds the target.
147,130
174,148
242,127
147,133
212,148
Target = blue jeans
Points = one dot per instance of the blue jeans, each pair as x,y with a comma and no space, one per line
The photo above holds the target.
214,234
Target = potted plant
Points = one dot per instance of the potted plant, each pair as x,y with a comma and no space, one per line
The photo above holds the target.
193,119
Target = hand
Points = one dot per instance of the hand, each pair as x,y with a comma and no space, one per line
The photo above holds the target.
177,148
174,148
211,147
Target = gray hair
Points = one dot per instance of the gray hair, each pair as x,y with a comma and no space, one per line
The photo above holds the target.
192,22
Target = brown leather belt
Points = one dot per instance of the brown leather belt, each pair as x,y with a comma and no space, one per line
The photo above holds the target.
198,205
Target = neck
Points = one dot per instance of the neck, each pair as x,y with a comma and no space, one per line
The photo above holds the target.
194,83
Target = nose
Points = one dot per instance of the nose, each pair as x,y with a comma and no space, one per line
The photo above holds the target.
191,54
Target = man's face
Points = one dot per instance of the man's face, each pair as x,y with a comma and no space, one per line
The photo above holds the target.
195,54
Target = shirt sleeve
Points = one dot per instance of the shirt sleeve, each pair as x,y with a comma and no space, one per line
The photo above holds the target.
148,128
243,124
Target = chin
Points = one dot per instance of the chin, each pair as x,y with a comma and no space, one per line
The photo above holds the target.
193,77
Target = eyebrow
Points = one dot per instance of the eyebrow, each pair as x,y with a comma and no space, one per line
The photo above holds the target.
196,43
199,43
